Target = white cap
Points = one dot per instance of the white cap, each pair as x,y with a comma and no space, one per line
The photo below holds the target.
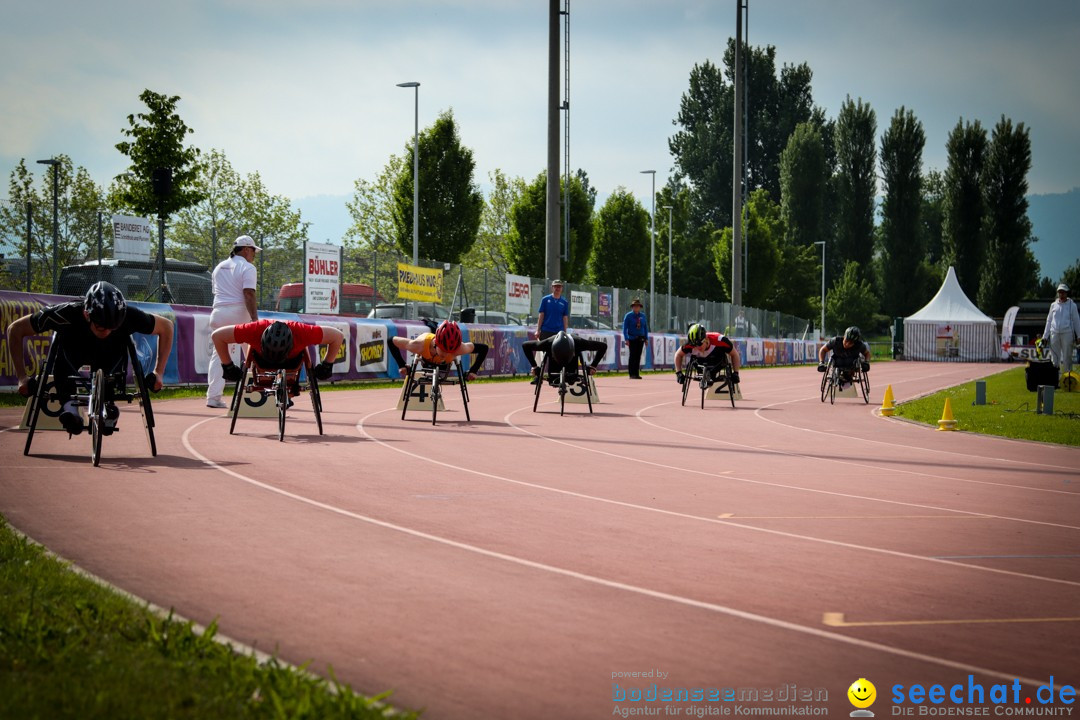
1063,288
246,241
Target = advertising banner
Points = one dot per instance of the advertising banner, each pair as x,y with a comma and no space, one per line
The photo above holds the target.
604,301
518,294
322,278
417,283
371,353
131,238
580,303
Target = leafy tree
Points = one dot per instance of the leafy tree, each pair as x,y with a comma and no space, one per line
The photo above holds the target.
851,300
620,251
524,245
763,231
903,242
79,201
962,205
703,146
1005,225
372,210
157,141
797,290
802,182
450,201
495,223
933,216
1071,277
194,227
856,127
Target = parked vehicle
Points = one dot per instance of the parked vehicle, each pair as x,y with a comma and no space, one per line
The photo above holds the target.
495,317
357,299
416,310
189,283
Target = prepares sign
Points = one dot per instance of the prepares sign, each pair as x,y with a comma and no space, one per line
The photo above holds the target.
417,283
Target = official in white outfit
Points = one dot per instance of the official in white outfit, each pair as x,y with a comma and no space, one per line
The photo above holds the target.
1062,327
235,280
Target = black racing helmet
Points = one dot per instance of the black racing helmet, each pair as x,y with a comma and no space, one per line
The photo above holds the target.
277,342
105,305
853,334
562,348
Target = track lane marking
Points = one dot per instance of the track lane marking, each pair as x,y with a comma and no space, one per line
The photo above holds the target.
604,582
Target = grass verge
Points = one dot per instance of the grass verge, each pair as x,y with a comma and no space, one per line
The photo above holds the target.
1009,412
71,648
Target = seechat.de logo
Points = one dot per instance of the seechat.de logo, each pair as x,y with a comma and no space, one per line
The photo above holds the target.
862,695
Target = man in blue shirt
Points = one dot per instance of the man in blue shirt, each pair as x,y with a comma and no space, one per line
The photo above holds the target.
554,315
635,331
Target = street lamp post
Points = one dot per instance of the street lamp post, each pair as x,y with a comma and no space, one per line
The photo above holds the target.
55,217
668,208
652,244
822,244
416,170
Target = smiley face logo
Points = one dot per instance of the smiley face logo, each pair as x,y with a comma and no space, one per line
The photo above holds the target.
862,693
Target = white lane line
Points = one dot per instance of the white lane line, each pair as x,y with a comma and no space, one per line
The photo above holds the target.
870,466
604,582
699,518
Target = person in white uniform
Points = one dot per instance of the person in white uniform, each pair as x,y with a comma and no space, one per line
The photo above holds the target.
1062,327
234,304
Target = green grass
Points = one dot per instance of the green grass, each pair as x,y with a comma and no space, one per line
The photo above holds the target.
71,648
1009,412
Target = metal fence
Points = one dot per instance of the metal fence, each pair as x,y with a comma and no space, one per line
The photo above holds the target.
483,289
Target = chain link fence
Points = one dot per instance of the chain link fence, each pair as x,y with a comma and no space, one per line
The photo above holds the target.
370,283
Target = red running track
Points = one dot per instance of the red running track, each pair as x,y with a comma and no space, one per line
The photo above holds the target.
526,565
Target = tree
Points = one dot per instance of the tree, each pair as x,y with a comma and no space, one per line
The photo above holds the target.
372,211
1071,277
903,244
932,216
450,201
702,147
1005,225
495,223
620,252
763,231
856,128
524,246
157,143
851,300
79,201
802,183
963,244
218,212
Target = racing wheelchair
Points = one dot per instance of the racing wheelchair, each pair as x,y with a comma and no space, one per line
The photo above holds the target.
718,377
282,384
98,392
833,375
570,379
427,379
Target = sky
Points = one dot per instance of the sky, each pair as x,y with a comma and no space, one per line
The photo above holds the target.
304,91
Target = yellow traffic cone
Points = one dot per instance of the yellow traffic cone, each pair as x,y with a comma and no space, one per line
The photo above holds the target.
888,405
947,422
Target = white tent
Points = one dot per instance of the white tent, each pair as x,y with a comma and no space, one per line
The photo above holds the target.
950,327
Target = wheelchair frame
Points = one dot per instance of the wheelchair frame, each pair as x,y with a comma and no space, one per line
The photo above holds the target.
90,393
563,383
830,381
275,383
423,373
696,371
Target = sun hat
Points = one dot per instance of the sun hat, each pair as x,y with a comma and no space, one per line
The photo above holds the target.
246,241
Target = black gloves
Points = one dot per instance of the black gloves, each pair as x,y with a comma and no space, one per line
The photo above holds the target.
324,370
679,377
865,366
151,381
231,372
735,377
821,367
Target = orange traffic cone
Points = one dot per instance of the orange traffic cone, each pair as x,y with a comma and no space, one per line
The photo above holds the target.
888,405
947,422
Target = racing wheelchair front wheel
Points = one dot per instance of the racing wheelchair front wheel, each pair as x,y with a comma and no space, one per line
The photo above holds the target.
96,411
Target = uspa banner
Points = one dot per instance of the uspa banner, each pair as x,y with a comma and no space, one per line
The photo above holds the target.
518,294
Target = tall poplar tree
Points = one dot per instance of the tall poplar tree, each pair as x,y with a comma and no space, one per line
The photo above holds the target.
903,243
855,187
963,244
